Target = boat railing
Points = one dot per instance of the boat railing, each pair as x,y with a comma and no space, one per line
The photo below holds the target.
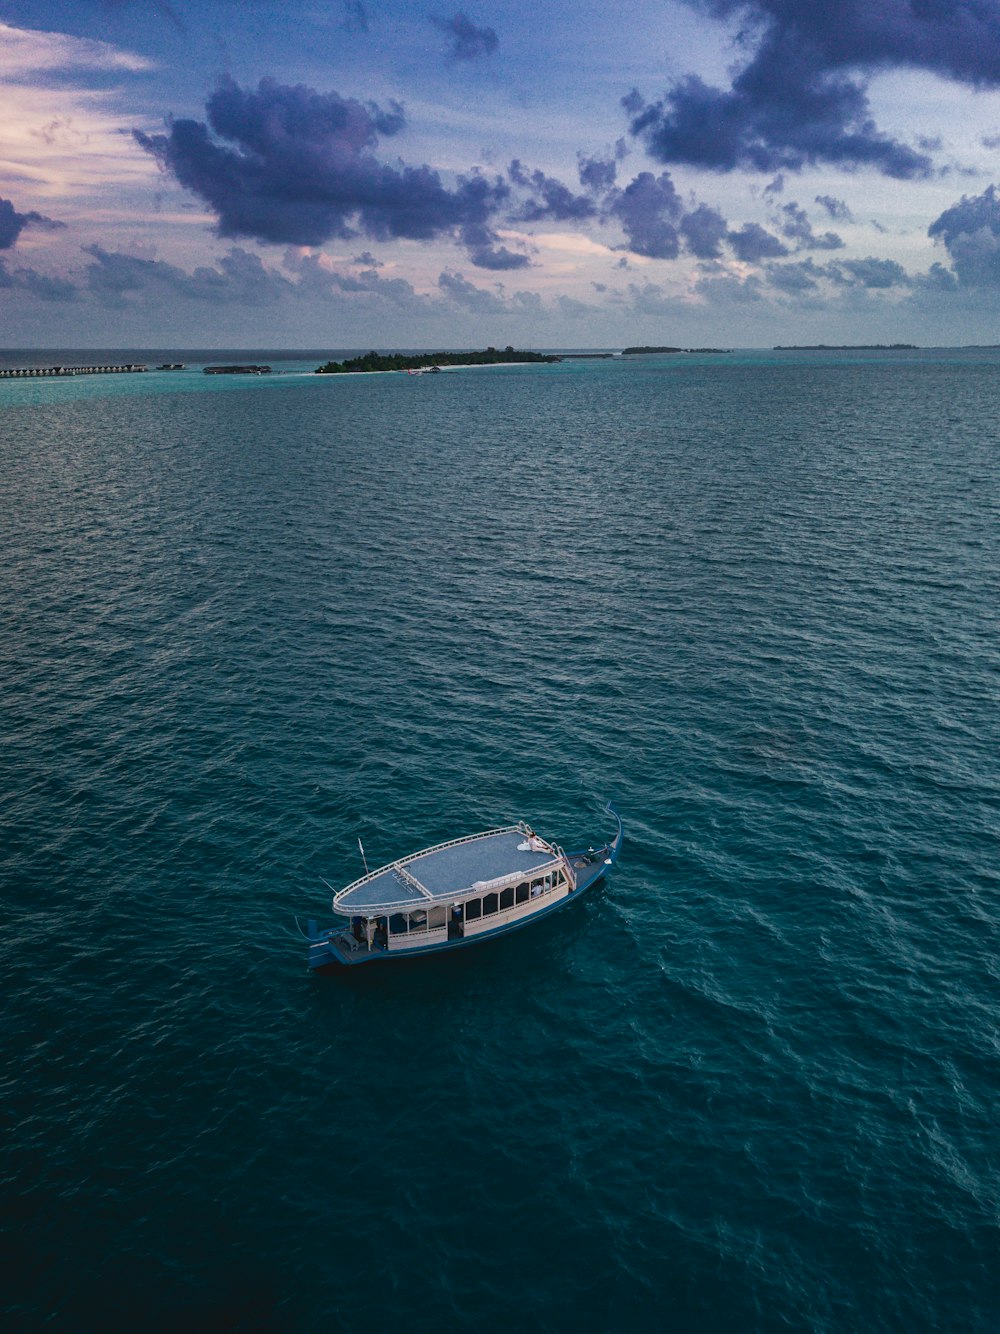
438,847
510,876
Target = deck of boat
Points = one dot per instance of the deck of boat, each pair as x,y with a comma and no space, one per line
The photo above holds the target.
440,873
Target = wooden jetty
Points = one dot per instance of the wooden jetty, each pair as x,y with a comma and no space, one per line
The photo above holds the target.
34,372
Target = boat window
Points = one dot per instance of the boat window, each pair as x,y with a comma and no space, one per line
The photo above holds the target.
507,897
418,921
489,905
538,887
397,924
437,917
522,892
473,909
558,879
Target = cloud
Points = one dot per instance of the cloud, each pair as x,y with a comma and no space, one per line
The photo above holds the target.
797,227
551,201
59,137
874,273
870,273
704,229
238,277
40,285
355,17
13,223
44,286
797,278
800,95
302,169
598,174
25,51
461,292
467,41
649,209
970,231
753,243
836,208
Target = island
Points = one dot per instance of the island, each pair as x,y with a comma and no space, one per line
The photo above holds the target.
642,351
646,351
404,361
845,347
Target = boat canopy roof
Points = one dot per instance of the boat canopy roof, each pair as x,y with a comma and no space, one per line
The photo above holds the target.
448,871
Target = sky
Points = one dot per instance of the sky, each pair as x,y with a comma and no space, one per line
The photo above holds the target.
374,173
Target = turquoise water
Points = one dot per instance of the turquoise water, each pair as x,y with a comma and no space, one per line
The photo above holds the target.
748,1084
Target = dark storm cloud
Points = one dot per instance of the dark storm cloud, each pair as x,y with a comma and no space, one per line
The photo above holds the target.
550,201
467,41
970,231
796,227
801,95
649,210
12,223
704,229
298,166
753,243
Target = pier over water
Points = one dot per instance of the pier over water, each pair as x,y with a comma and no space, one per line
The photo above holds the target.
33,372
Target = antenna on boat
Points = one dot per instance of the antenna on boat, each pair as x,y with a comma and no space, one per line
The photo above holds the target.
363,857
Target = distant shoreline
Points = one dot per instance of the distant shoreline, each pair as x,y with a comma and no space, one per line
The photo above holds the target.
400,361
845,347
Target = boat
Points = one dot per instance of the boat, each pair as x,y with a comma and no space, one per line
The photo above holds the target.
455,894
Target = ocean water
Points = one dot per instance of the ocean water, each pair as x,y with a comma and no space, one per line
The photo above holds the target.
749,1084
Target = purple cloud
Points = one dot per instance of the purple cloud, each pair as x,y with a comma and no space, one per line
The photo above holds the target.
551,200
797,278
836,208
467,41
753,243
801,97
598,174
239,277
298,166
649,210
874,273
704,229
797,227
12,223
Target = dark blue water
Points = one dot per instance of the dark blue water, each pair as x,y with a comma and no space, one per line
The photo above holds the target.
748,1085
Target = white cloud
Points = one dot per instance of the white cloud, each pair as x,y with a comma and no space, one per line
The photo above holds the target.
24,51
60,142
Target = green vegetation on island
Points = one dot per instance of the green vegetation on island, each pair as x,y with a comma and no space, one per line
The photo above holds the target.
642,351
845,347
405,361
